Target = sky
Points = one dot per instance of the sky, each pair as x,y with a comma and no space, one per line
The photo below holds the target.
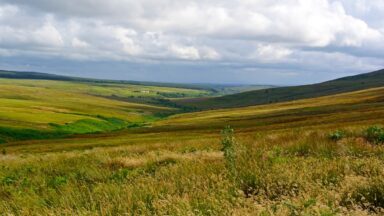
280,42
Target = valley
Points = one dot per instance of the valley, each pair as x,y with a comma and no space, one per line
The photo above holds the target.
68,147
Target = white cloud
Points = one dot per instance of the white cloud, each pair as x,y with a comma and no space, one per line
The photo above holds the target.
185,52
77,43
209,53
125,37
48,35
270,53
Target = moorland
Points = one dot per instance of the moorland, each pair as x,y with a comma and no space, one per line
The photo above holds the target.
91,147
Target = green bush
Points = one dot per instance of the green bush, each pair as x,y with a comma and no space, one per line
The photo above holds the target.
337,135
228,143
375,134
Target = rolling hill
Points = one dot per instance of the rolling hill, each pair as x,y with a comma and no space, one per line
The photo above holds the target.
212,89
304,157
48,76
39,109
281,94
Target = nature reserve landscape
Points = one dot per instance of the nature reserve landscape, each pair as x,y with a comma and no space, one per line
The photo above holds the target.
101,147
182,108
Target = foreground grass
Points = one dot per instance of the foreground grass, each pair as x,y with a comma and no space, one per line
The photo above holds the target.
285,173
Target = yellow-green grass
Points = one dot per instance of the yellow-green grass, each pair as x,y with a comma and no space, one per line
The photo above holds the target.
70,107
40,104
286,164
106,89
286,173
352,110
361,107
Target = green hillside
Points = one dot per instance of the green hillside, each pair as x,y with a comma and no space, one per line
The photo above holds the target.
274,95
38,109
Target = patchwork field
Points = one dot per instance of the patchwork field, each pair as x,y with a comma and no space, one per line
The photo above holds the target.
319,156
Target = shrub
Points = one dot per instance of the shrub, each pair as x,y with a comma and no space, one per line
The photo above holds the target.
337,135
375,134
228,142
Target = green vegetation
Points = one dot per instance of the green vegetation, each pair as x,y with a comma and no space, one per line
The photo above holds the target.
88,154
39,109
337,135
229,150
27,134
89,126
282,94
375,134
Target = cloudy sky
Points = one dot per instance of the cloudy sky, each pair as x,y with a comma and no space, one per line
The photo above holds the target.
218,41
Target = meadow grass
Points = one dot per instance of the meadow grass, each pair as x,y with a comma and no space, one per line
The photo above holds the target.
284,173
279,160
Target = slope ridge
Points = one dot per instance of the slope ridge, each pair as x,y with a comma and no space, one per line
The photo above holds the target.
283,94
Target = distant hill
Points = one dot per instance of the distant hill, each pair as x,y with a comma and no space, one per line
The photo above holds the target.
216,89
47,76
282,94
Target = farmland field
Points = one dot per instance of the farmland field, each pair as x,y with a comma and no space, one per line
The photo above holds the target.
314,156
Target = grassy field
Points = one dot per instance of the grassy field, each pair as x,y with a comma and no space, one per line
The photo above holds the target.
317,156
47,109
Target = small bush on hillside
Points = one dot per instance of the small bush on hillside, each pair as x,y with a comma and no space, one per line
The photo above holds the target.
375,134
228,142
337,135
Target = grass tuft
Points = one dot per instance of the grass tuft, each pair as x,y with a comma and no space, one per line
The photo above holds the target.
368,196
